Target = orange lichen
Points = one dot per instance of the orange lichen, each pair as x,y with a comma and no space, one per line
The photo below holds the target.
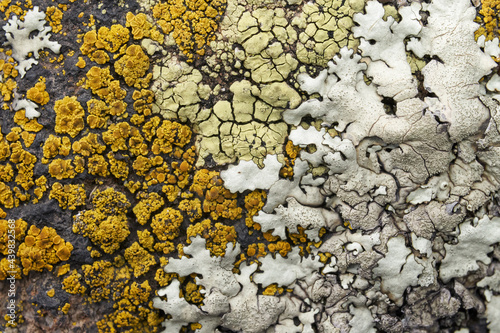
69,196
69,116
42,249
258,250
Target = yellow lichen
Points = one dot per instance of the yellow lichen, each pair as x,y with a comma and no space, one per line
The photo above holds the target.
139,259
149,203
254,202
38,94
69,196
118,168
98,166
69,116
61,169
218,201
192,23
54,17
133,67
141,28
217,236
19,228
42,249
88,145
488,19
54,146
106,224
72,283
166,224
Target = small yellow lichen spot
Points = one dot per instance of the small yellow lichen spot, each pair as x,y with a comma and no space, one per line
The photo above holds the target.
65,308
81,63
51,292
61,270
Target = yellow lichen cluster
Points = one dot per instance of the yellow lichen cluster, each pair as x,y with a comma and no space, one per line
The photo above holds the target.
24,163
19,231
69,116
488,19
254,201
106,224
96,43
149,203
69,196
217,236
192,23
42,249
141,28
38,94
218,201
8,74
54,16
104,280
133,67
165,226
139,259
72,284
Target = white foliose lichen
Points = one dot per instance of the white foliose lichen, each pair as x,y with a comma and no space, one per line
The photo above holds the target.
29,36
415,156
